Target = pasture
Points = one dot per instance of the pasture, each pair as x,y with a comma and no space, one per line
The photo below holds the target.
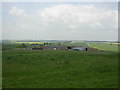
60,69
75,44
0,66
105,47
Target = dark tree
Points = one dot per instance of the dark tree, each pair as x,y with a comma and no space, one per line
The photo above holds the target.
23,45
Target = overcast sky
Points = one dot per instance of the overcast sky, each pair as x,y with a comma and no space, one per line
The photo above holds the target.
60,21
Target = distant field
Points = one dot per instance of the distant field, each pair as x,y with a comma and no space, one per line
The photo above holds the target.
29,42
59,69
76,44
100,46
111,43
105,47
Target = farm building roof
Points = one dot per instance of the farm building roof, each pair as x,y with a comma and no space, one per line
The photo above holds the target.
79,48
54,46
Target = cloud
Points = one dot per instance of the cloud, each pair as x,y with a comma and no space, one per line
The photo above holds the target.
79,15
16,11
64,21
60,1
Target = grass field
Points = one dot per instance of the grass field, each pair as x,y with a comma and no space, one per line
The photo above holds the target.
111,43
59,69
0,66
76,44
105,47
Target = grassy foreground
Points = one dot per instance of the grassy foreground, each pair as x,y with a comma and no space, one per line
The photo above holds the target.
59,69
0,70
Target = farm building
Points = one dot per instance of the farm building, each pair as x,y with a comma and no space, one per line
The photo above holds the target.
22,49
37,48
54,47
81,48
59,47
92,49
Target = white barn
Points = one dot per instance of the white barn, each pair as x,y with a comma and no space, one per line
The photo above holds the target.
80,48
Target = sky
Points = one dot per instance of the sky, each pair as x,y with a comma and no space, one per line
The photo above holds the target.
60,20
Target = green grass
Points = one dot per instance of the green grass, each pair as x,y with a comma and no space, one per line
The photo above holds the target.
59,69
105,47
0,66
75,44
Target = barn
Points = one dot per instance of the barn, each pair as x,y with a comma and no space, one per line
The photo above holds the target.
80,48
37,48
54,47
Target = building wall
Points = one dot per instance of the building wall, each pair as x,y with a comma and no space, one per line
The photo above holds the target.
84,49
92,49
79,48
22,49
37,48
57,48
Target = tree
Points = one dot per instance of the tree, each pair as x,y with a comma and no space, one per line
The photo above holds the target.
23,45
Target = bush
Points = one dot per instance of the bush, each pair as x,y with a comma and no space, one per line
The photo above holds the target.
19,46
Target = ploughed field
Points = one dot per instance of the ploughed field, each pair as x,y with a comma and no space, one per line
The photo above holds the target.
59,69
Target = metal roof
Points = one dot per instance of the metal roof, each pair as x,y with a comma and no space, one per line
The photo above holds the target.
79,48
54,46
